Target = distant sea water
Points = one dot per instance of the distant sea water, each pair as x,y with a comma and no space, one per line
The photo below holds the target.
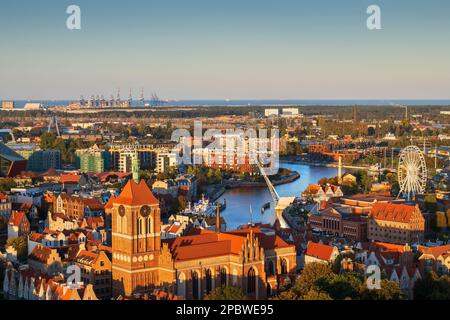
245,103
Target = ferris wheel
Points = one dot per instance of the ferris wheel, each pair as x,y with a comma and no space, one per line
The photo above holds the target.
412,172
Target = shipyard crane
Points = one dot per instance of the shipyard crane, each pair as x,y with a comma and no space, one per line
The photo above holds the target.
281,203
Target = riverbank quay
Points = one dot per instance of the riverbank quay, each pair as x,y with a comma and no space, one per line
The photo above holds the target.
235,184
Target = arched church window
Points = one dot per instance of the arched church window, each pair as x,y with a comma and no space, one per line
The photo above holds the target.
195,287
223,277
284,267
251,281
208,281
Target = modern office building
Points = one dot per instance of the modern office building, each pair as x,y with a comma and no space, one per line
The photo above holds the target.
165,161
11,163
38,160
122,155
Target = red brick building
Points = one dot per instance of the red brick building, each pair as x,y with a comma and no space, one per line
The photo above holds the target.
396,223
190,266
75,207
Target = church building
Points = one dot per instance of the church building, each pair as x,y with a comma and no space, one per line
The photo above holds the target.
190,266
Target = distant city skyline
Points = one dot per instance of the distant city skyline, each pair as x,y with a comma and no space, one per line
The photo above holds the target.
238,50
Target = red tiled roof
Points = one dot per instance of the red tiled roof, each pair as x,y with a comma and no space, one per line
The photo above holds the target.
393,212
70,178
92,203
268,242
16,218
87,256
136,194
36,237
319,251
105,248
386,247
95,222
40,253
205,244
435,251
110,203
210,244
103,176
172,228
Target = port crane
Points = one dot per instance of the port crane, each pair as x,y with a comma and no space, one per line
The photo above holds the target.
281,203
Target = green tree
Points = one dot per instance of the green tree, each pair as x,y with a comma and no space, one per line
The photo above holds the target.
3,224
181,203
228,293
47,140
364,181
344,286
432,287
312,276
20,244
431,203
390,290
7,184
315,294
287,295
349,188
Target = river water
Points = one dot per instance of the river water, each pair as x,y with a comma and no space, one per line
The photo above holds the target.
240,200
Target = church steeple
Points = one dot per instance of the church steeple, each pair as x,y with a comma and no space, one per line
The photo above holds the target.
136,243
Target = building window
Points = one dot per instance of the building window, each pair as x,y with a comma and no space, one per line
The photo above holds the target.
223,277
251,281
119,224
271,268
149,225
195,288
139,227
208,281
283,265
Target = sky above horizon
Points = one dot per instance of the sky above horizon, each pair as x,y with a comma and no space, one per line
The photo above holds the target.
229,49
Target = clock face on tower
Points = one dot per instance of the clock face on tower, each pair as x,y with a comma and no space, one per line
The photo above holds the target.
145,211
121,211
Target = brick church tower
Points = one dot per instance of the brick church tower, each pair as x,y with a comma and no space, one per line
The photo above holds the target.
136,243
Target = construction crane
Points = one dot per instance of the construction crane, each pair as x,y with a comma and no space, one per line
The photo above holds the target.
281,203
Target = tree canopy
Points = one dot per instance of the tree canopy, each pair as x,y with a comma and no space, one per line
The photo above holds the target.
20,245
226,293
319,282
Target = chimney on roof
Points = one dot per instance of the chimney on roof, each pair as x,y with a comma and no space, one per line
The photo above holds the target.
218,219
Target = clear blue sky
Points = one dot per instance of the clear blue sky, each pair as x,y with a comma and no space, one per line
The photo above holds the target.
236,49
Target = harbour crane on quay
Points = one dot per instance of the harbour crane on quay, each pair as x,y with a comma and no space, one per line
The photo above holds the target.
281,203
